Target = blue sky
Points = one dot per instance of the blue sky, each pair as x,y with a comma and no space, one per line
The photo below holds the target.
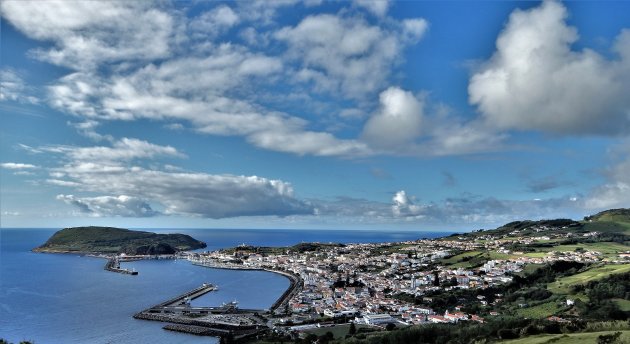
337,115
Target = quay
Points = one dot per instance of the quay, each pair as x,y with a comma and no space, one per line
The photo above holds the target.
113,261
223,321
113,265
185,298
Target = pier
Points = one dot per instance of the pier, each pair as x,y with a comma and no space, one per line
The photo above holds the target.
185,298
222,321
113,265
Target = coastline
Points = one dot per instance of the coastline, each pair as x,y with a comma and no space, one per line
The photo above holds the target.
296,282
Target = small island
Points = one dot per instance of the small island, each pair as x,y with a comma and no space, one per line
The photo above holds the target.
110,240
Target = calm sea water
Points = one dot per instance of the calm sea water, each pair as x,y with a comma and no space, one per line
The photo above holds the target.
57,298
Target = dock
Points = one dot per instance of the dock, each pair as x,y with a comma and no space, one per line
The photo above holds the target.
222,321
182,299
113,265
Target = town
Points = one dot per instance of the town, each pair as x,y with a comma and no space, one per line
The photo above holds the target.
362,283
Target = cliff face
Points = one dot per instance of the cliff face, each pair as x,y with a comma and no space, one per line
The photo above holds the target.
117,240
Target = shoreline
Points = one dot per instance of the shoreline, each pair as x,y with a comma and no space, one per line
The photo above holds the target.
295,281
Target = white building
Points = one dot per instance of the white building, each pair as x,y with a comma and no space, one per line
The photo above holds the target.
378,319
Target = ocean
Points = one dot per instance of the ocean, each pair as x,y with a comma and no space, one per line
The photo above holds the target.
64,298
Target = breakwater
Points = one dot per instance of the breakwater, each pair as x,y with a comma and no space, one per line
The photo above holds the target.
113,265
224,321
190,295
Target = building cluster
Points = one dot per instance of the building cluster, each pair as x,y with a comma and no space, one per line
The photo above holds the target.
359,281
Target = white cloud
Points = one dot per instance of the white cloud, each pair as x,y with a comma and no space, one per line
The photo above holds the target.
535,81
126,149
106,171
164,92
403,206
13,88
309,142
397,123
377,7
85,33
347,55
214,22
192,194
17,166
110,206
414,29
88,129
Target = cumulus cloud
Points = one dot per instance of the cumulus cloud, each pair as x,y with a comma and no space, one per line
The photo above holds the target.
403,206
536,81
110,206
347,55
397,123
403,126
86,33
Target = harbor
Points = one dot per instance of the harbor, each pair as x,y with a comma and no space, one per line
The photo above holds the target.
225,321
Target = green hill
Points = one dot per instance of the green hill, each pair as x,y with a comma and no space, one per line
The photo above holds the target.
613,215
117,240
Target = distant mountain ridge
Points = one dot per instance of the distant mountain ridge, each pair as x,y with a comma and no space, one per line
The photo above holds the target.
117,240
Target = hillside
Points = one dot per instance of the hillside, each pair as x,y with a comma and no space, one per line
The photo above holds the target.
613,225
117,240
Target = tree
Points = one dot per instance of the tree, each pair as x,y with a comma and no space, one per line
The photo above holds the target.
608,338
390,327
436,278
353,329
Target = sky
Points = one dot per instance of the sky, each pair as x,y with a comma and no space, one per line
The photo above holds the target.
365,114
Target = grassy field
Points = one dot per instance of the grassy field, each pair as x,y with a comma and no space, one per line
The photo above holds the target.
541,311
583,338
535,254
608,248
618,225
473,258
456,258
564,284
624,305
